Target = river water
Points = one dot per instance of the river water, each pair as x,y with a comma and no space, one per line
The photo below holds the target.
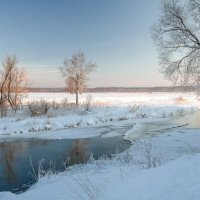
19,159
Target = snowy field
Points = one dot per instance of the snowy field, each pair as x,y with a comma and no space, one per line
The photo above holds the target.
119,99
163,164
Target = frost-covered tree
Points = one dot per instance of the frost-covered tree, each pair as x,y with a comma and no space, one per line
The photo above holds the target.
177,36
76,71
13,83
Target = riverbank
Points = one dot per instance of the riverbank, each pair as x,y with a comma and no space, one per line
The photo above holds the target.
162,162
104,109
164,166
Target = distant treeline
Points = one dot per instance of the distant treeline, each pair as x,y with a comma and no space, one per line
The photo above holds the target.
121,89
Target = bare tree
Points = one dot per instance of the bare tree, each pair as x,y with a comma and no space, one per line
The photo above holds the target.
13,83
76,71
177,36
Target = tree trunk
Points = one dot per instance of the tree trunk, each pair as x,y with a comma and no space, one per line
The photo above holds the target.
77,99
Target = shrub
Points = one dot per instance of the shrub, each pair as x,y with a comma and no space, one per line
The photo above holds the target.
149,157
37,108
55,105
181,100
134,108
64,103
87,105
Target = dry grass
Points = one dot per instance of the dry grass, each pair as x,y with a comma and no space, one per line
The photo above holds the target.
181,100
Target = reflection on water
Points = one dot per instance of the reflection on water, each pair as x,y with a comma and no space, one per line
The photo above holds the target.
7,158
10,151
79,152
15,157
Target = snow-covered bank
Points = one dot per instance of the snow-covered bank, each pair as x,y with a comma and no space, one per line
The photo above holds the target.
161,167
157,166
106,108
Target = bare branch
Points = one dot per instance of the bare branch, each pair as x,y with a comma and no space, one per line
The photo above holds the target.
177,36
13,83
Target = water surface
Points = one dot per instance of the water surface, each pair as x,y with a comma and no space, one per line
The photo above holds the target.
19,158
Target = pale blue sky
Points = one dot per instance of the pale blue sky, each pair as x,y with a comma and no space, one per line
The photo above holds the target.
113,33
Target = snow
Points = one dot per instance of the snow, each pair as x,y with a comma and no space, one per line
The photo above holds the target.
162,162
118,98
135,132
176,176
106,108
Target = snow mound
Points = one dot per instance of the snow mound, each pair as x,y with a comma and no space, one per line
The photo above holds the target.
136,132
178,179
